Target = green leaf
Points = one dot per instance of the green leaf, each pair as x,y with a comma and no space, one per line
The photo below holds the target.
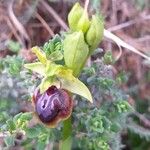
14,46
108,58
40,145
9,141
72,84
26,116
40,55
11,125
16,117
32,132
37,67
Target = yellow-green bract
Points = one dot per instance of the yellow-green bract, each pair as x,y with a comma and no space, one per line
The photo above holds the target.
75,51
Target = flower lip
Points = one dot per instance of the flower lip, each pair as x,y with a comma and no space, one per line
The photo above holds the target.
53,105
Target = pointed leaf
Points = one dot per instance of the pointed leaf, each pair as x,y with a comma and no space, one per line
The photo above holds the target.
37,67
40,55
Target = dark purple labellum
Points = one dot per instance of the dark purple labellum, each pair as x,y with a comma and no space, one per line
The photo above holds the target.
53,105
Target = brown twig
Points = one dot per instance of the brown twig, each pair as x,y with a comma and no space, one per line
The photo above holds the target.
44,24
143,119
128,23
54,14
16,23
86,5
14,30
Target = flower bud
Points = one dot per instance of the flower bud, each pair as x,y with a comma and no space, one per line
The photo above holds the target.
75,51
83,23
78,19
95,32
52,106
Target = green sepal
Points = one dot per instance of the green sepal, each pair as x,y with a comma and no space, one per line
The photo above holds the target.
75,51
37,67
72,84
9,141
40,55
77,87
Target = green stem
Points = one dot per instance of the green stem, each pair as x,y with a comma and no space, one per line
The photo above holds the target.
66,142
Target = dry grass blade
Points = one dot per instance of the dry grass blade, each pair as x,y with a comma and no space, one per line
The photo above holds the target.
120,42
54,14
44,24
16,22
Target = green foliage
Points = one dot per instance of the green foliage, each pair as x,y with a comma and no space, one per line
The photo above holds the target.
99,126
9,141
139,130
13,46
141,4
107,118
11,64
53,49
108,58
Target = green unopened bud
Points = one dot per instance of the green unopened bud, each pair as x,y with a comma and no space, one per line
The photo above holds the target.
74,16
78,19
95,32
75,51
83,23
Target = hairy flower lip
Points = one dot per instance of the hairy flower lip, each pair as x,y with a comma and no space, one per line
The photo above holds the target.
58,105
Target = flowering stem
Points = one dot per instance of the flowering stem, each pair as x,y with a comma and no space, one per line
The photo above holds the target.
66,142
67,135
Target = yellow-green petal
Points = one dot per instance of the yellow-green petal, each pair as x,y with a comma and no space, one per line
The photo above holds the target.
37,67
40,55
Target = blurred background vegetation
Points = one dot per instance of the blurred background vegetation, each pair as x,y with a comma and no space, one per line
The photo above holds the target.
25,23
